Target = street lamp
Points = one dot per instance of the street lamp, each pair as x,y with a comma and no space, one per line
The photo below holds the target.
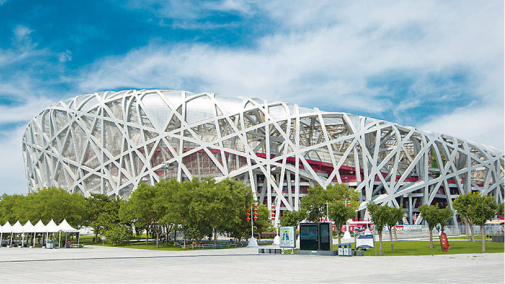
252,241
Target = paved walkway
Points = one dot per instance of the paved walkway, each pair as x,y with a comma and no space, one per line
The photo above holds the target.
96,264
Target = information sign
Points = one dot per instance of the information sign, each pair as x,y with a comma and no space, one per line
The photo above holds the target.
365,242
287,237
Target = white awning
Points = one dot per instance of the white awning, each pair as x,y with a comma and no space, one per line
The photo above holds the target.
17,228
65,227
40,227
51,227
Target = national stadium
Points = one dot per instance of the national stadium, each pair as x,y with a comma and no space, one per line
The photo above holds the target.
109,142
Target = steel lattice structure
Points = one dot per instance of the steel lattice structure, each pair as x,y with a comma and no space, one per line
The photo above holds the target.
109,142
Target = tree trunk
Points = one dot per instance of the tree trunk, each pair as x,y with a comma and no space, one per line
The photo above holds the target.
185,238
338,235
147,236
215,237
391,238
166,236
431,238
466,226
157,238
471,230
482,236
380,242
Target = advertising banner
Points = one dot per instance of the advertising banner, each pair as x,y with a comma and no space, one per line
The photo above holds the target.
287,237
365,242
444,242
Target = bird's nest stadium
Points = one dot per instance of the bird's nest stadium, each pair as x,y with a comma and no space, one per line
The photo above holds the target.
109,142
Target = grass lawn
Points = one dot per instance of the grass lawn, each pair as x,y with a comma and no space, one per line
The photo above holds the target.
423,248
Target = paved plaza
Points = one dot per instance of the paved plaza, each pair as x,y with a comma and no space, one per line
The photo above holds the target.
95,264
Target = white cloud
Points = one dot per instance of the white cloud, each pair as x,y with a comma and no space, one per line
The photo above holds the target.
322,54
12,167
65,56
19,83
483,125
21,32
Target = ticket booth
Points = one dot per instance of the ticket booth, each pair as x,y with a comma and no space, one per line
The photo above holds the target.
316,236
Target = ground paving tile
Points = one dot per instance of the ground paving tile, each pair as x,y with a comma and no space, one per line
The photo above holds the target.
96,264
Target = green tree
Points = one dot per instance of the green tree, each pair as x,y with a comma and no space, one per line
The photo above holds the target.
166,203
143,209
293,218
483,209
380,216
462,205
263,223
340,213
394,215
431,216
316,202
220,205
8,208
499,211
96,207
445,215
118,234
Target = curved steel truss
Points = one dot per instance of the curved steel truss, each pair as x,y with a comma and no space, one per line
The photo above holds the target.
109,142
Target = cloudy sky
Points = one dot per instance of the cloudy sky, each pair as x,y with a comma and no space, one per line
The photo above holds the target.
436,65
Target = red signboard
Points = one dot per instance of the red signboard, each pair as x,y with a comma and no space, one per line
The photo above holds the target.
444,242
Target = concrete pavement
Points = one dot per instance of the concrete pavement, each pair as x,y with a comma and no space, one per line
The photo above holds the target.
96,264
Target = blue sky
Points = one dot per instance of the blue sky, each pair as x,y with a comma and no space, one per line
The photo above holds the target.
435,65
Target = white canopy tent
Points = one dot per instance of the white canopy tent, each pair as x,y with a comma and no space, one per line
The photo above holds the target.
6,228
27,228
40,228
16,229
65,227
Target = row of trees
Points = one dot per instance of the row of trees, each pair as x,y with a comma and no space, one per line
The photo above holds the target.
205,208
340,203
49,203
476,209
198,208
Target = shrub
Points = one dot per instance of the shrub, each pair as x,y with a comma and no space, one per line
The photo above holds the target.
119,235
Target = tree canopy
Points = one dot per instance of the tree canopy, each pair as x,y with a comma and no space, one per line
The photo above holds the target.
316,202
383,216
45,204
434,216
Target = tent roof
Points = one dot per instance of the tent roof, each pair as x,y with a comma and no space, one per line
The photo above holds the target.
28,227
40,227
6,228
17,228
65,227
51,227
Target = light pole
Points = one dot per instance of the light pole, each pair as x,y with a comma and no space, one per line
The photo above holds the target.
252,241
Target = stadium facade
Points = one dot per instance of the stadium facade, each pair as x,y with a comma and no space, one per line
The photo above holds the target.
109,142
